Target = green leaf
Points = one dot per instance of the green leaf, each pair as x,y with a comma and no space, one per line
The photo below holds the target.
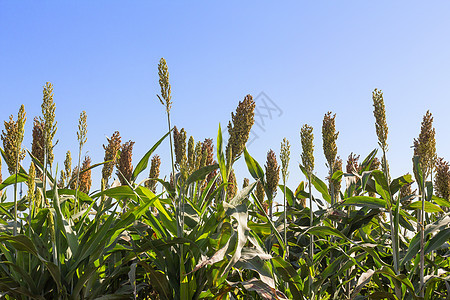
318,184
143,163
253,167
326,231
221,157
429,207
200,174
397,183
440,201
438,240
365,201
12,179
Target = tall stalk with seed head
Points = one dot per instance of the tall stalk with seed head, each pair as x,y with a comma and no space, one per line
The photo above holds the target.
285,154
329,137
166,99
307,140
382,130
425,148
239,127
111,150
12,143
48,129
272,178
82,139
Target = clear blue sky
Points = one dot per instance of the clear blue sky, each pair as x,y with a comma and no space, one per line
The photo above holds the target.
309,57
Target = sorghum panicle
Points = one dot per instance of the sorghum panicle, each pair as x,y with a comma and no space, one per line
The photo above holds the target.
37,146
240,125
307,138
272,173
337,166
82,128
12,140
352,164
163,73
329,137
179,139
285,156
260,195
425,145
191,154
442,178
380,118
232,185
125,166
111,150
49,123
85,177
154,173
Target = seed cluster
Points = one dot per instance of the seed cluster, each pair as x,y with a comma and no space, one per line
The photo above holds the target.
425,145
111,150
239,127
125,166
307,139
12,138
380,118
329,137
49,124
442,178
272,173
154,173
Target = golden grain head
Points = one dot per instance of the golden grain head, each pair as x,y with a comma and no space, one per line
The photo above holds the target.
260,192
11,138
442,179
379,113
37,145
272,173
329,137
337,166
82,129
285,156
154,173
179,141
111,150
49,123
198,157
425,145
232,185
191,154
163,73
307,140
85,176
125,166
240,125
208,148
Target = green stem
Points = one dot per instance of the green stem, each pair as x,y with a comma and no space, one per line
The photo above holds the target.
311,241
77,204
285,219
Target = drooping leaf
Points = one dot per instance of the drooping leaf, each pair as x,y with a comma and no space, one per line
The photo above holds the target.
142,164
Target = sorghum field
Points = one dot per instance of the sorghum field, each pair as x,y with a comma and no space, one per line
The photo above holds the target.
356,234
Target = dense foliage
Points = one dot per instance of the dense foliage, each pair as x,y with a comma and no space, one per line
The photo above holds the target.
204,237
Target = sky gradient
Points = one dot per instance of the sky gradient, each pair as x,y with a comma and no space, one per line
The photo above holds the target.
306,57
